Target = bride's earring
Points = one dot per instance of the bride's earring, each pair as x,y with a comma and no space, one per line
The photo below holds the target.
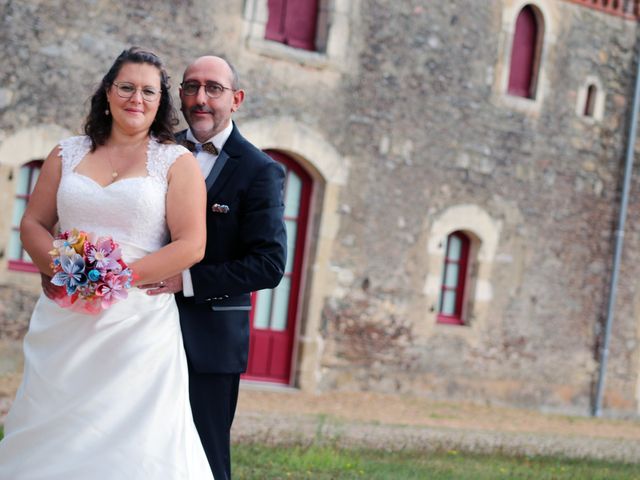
106,112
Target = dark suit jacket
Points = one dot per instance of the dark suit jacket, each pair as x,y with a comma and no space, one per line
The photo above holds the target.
245,252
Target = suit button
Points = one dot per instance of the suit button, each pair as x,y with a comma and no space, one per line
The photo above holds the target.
226,296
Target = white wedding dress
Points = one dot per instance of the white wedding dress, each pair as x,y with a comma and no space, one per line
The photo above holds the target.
105,397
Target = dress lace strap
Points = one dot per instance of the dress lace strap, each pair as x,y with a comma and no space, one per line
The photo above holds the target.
160,157
73,150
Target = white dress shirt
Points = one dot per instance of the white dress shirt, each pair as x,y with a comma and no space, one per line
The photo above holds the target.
206,162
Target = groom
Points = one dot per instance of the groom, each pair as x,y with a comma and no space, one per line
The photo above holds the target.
246,251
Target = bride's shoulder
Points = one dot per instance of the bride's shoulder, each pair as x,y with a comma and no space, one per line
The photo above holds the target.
73,149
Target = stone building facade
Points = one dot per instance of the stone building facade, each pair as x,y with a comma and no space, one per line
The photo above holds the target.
401,125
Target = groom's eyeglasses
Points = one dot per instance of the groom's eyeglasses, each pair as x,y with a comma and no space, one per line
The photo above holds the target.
127,90
212,89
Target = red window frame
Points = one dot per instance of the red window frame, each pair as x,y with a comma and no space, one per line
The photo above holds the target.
20,264
525,54
293,22
459,289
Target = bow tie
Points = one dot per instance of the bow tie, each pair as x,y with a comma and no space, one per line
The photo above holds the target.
199,147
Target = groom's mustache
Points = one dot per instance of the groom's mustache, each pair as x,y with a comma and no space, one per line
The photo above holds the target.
200,109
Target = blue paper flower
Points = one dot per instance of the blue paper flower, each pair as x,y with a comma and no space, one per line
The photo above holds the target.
72,275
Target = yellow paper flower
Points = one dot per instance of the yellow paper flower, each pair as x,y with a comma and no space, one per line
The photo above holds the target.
76,241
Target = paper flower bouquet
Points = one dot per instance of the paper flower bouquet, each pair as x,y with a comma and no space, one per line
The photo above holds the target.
93,274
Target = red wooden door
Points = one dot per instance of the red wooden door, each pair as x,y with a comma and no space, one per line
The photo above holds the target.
274,312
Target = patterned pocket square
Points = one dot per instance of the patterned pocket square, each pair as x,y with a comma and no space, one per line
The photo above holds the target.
218,208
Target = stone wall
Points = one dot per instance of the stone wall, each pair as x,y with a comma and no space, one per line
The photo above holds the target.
405,126
429,130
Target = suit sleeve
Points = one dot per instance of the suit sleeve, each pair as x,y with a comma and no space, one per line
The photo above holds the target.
264,243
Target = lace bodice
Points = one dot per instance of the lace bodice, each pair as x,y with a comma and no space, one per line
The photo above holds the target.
131,210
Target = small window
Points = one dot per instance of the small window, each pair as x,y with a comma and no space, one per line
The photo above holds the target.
454,279
525,54
27,176
293,22
590,102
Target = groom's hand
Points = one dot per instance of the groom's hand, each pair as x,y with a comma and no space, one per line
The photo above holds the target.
170,285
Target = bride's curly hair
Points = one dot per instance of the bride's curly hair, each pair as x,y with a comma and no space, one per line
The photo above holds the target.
98,124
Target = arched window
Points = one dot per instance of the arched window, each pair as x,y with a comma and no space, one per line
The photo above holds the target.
590,102
454,279
525,54
293,22
27,176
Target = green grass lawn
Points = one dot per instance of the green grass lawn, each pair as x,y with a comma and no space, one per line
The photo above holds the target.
255,462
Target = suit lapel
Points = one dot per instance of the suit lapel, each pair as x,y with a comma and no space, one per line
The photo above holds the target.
230,155
217,168
224,173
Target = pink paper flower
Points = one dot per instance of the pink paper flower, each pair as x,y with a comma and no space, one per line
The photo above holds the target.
104,255
113,289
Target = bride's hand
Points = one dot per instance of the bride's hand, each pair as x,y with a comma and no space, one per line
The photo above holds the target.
170,285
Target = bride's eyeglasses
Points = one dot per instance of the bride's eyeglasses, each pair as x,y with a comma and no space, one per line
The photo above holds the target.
127,90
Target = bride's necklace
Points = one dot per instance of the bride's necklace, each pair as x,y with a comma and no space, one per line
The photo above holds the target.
114,172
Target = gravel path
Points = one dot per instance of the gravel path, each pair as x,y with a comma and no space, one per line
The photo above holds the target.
395,423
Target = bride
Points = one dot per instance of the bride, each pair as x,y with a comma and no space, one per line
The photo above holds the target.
105,396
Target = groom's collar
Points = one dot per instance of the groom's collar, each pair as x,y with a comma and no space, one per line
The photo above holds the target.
218,140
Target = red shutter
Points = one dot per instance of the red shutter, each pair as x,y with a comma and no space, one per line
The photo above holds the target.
275,22
300,23
523,54
293,22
